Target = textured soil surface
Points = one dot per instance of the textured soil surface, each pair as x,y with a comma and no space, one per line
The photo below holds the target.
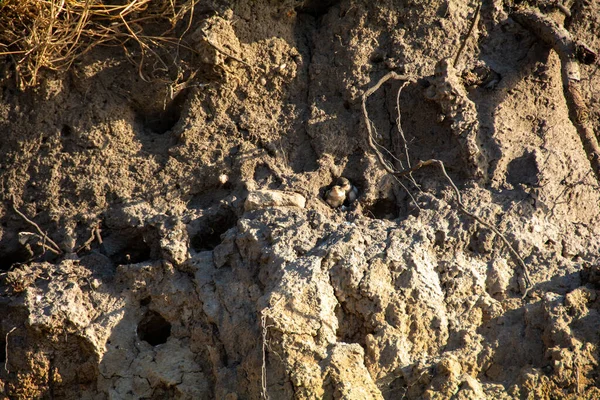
197,258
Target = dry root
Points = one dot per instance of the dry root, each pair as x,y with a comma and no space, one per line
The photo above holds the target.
571,53
407,173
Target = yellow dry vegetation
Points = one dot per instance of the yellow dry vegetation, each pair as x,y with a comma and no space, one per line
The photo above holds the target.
52,34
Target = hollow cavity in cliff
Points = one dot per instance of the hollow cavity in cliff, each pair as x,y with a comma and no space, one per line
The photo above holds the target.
211,227
154,329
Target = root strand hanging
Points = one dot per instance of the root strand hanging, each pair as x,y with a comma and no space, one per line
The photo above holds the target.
407,173
571,53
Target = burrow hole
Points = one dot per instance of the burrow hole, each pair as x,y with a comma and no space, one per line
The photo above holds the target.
2,350
161,120
154,329
210,228
132,246
383,209
66,131
8,259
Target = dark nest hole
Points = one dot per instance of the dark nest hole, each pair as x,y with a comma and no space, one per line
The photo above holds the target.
163,120
351,328
210,228
130,246
66,131
10,258
14,253
316,8
145,301
523,170
154,329
383,209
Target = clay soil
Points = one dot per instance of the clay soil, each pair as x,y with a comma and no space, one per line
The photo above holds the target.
166,284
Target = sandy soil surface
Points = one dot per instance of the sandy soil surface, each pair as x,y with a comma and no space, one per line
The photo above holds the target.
195,255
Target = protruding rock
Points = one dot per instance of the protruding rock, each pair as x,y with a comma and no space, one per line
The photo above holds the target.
273,198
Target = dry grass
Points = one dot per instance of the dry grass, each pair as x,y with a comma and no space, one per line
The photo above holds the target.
52,34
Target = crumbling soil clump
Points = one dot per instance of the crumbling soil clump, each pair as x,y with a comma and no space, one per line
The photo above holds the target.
212,217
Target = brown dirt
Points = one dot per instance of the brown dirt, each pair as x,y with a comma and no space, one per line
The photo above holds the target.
190,295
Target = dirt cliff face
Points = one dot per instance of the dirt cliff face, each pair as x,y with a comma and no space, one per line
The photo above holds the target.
196,258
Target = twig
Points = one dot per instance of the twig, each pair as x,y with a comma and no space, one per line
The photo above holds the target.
6,350
571,53
263,322
464,42
88,242
225,52
54,248
98,236
463,209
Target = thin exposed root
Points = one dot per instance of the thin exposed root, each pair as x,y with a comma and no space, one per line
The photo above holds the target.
94,235
6,349
407,172
266,313
463,209
53,246
464,42
571,53
401,131
368,122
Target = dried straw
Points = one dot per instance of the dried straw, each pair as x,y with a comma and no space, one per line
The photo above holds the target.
52,34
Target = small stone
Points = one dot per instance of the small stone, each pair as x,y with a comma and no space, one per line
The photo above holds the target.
498,278
449,366
273,198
